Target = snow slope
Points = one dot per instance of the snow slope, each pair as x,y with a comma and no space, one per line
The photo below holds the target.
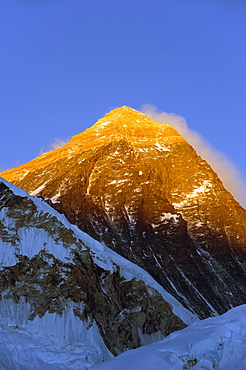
214,343
57,341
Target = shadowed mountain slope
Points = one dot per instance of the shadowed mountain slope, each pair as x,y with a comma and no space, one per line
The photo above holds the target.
64,288
140,188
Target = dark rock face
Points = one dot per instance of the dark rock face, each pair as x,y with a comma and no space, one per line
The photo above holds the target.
121,309
152,199
125,310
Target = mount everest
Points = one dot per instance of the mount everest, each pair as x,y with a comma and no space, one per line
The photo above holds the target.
143,195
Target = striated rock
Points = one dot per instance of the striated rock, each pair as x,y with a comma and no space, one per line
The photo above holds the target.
140,188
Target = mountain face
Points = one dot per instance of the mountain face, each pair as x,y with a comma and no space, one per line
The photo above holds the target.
141,189
59,284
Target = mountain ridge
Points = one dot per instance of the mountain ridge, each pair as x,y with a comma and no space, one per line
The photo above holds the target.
52,274
111,128
155,202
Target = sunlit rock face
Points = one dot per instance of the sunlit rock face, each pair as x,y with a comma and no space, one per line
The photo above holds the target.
56,280
140,188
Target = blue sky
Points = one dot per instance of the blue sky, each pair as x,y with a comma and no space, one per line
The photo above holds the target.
64,64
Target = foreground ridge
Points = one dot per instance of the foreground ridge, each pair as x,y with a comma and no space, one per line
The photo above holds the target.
65,292
214,343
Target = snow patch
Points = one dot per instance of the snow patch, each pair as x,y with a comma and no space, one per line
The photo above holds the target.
166,218
101,125
199,224
204,188
161,147
30,242
112,182
55,197
37,191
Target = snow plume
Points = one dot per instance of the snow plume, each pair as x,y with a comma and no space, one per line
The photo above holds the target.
55,144
221,164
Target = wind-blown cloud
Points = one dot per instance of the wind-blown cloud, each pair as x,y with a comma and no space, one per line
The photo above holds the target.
221,164
58,143
55,144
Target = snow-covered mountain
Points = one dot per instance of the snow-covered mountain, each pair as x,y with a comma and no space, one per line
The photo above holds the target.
214,343
141,189
66,300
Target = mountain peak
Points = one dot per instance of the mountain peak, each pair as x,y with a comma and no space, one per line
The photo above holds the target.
127,117
122,123
139,188
125,112
130,125
122,110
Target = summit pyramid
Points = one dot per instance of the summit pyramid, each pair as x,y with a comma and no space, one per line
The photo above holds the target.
119,124
142,190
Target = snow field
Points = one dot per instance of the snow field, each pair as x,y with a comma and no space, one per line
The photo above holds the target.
214,343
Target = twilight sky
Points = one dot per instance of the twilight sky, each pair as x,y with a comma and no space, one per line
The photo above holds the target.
64,64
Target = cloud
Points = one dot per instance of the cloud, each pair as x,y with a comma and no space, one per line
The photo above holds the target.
55,144
58,143
221,164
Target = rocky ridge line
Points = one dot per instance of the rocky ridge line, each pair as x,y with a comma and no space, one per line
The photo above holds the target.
51,265
140,188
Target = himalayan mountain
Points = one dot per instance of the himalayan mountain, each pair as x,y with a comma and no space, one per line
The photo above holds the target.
65,298
119,238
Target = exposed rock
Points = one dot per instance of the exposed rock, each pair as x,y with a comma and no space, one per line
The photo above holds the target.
45,261
139,187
